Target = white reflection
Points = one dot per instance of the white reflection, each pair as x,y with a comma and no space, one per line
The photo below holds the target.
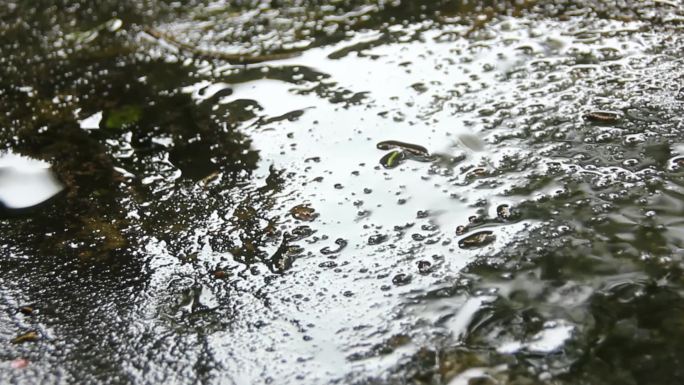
25,182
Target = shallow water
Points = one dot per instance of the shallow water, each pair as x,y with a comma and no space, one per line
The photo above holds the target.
232,211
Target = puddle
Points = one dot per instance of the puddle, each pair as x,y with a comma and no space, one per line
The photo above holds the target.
423,192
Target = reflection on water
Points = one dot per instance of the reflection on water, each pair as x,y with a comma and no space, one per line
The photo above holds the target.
359,192
25,182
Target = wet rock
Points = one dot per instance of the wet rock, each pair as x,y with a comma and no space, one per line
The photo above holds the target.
301,232
411,148
602,116
377,239
422,214
477,240
424,267
482,381
392,159
341,243
220,274
401,279
303,213
460,230
29,336
505,213
363,213
27,310
392,344
477,172
328,264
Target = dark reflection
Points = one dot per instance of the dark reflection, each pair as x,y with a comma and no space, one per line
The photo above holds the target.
78,260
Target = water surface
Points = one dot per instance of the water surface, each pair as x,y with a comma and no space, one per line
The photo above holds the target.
354,192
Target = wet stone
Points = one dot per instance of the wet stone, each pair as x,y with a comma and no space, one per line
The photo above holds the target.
301,232
413,149
401,279
220,274
341,244
392,159
424,267
477,240
377,239
460,230
504,212
328,264
303,213
477,172
27,310
29,336
602,116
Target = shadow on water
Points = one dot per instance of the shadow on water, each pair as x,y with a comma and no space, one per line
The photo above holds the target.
417,192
